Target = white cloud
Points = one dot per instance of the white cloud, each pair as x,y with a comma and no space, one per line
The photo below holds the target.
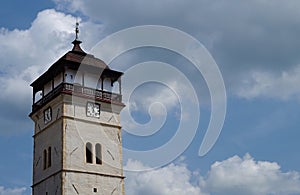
9,191
172,179
232,176
246,176
271,85
46,39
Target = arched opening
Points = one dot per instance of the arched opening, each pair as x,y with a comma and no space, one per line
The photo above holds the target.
116,87
70,76
37,96
88,153
107,85
98,154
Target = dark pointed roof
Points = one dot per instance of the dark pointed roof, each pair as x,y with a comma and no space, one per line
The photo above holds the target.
73,60
77,47
77,55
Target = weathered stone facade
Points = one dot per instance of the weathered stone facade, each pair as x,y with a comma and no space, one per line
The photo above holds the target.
67,134
77,151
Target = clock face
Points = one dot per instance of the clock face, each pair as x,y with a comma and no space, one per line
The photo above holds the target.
93,110
47,115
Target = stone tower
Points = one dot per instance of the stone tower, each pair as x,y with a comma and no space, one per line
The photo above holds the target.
77,134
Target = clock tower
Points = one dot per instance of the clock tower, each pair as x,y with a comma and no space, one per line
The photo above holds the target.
77,135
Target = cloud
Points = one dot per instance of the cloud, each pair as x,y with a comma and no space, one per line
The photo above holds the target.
9,191
243,37
48,38
265,84
163,98
231,27
42,43
234,175
27,54
246,176
172,179
156,93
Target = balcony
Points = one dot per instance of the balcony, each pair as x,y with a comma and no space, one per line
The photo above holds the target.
81,91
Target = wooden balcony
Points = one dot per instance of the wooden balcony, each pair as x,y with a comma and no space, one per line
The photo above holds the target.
77,90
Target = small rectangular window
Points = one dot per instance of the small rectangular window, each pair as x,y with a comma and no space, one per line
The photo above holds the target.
98,154
49,157
45,159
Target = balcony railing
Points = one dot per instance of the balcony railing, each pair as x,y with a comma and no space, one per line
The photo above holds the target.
78,90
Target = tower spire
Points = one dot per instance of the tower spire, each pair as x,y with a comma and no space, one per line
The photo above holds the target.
77,42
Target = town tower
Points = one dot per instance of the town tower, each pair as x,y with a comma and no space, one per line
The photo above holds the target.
77,135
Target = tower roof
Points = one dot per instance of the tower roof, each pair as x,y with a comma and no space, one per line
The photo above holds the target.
74,59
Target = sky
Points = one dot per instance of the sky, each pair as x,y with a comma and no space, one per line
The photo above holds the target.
252,45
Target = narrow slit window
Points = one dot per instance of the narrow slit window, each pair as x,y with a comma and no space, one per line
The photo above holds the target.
49,157
88,153
45,159
98,154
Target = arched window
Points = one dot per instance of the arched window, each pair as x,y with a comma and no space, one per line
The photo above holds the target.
45,159
107,85
116,87
98,154
49,157
88,153
37,96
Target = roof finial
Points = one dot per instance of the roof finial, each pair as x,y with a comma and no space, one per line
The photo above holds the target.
77,29
77,42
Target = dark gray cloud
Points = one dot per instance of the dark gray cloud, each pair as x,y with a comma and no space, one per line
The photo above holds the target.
238,33
242,36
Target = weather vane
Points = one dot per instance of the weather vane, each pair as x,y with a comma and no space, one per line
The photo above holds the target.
77,29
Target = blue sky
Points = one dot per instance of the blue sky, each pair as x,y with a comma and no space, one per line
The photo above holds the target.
256,46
